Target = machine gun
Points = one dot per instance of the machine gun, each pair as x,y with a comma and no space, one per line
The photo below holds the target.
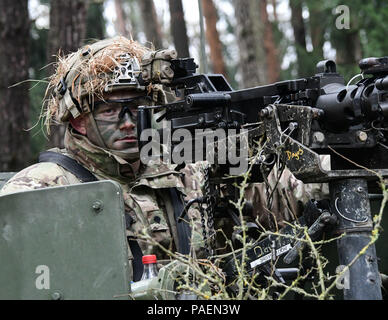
302,122
321,111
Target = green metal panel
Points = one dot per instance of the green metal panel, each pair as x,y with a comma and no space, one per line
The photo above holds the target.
75,232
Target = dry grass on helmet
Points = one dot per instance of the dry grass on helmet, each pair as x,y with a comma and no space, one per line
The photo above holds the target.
92,74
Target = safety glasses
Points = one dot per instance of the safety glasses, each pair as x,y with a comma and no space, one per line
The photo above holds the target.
115,109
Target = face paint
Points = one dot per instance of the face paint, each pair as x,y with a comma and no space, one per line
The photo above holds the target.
116,121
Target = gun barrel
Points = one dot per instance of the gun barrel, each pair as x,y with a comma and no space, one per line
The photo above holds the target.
198,100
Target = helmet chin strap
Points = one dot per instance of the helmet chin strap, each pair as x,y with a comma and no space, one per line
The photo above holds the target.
128,156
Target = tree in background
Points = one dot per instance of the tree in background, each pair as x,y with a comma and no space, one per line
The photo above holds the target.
373,20
274,8
259,28
299,29
38,60
14,103
228,40
67,34
365,36
121,23
134,18
282,42
150,23
95,21
212,37
271,51
249,34
317,24
178,28
347,42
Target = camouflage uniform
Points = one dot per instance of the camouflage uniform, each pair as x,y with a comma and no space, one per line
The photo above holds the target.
142,192
288,199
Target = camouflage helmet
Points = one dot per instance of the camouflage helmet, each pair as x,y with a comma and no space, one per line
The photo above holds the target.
104,66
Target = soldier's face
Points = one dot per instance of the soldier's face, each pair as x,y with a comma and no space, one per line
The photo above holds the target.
116,119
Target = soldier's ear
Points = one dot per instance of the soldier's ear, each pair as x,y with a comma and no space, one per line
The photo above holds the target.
79,124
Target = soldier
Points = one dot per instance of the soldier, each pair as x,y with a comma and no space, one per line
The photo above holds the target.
96,92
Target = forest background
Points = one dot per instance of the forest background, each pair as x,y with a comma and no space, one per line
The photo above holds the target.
251,42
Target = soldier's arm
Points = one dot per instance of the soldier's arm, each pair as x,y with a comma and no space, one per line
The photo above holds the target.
193,178
288,198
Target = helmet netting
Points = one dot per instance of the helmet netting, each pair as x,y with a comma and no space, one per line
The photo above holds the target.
91,68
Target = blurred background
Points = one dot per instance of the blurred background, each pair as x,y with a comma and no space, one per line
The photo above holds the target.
251,42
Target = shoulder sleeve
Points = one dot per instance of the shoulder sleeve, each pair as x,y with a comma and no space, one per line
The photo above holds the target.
37,176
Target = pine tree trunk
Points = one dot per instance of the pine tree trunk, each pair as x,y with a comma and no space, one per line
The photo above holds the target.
317,27
299,34
134,18
271,52
121,19
259,28
67,34
95,25
213,38
348,49
347,44
275,13
298,23
150,23
15,150
178,28
350,52
249,33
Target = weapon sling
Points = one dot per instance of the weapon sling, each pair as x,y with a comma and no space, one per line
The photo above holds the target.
181,232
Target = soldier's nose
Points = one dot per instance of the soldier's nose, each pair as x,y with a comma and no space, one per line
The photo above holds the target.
126,122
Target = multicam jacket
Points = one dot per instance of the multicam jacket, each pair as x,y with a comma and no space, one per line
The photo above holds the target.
287,203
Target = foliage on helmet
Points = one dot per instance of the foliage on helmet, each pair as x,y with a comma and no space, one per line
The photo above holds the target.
87,74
